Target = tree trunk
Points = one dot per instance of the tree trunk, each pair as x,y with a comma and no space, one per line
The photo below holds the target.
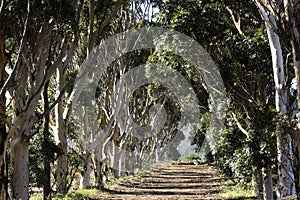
87,156
61,138
122,158
268,184
19,168
100,158
45,150
62,163
3,132
286,182
296,61
259,183
99,174
3,146
130,162
115,158
87,170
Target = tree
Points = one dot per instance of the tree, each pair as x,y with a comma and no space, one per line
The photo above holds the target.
282,24
239,49
3,132
33,69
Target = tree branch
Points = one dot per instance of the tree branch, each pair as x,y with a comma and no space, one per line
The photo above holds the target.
111,16
59,98
10,81
237,22
294,133
240,125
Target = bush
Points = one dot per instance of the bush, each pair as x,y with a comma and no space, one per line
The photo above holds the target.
192,157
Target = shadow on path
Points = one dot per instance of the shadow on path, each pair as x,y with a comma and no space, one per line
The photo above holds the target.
171,181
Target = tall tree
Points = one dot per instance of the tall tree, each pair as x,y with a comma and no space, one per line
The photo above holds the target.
3,132
32,68
282,24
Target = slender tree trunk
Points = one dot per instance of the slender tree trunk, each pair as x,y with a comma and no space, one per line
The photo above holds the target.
3,132
130,162
87,156
3,146
19,168
62,163
46,153
87,170
122,158
157,157
296,61
99,163
19,145
286,181
99,174
259,183
115,158
61,139
268,184
106,156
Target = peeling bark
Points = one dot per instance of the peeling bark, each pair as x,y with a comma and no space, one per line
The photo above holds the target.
286,181
3,133
20,162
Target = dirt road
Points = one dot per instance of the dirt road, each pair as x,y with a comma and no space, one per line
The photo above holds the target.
171,181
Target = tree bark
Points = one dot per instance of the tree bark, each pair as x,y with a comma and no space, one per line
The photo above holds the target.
20,162
87,170
115,158
259,183
268,184
46,140
3,133
122,157
286,182
61,138
130,161
99,173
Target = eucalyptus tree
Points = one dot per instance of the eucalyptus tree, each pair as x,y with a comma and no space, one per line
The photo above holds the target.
231,32
103,149
282,24
92,25
34,31
4,133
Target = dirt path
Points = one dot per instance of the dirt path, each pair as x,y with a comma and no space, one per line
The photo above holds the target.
170,181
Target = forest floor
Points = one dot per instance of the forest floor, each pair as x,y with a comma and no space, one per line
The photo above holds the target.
170,181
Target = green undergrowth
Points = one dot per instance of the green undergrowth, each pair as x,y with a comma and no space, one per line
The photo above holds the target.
82,194
79,194
229,191
122,179
235,192
192,157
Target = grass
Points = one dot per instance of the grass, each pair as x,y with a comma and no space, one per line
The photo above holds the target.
36,197
192,157
235,192
79,194
126,178
122,179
